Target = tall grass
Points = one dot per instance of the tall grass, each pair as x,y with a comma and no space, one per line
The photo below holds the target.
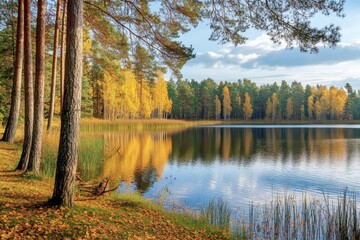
287,218
139,124
217,213
91,156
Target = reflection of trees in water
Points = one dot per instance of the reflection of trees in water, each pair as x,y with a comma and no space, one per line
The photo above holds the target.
137,158
140,157
245,144
145,179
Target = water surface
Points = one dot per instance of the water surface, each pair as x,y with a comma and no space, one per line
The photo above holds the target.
241,163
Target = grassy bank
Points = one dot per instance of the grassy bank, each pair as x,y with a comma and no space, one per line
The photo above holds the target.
24,214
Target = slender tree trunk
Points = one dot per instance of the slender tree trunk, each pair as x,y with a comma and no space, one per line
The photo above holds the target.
62,53
36,145
54,65
70,117
13,119
28,84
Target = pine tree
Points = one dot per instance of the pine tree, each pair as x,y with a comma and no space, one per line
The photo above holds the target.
289,108
12,122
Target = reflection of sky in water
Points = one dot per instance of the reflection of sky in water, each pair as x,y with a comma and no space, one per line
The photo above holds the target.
327,164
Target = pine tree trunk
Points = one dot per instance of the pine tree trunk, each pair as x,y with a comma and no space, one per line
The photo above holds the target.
70,117
62,53
54,65
12,123
28,84
36,145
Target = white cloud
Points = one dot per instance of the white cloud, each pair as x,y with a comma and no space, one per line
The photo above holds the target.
263,43
308,74
214,55
243,58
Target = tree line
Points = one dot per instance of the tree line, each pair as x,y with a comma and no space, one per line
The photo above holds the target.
245,100
105,45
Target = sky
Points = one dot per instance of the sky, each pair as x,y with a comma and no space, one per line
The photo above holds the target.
264,62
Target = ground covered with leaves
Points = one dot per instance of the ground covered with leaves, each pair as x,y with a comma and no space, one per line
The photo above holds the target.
25,215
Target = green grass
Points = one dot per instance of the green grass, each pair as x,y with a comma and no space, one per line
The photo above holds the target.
91,156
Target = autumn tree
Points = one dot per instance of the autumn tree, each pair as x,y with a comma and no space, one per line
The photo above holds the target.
318,110
324,96
247,107
217,107
13,119
289,108
128,99
162,103
226,102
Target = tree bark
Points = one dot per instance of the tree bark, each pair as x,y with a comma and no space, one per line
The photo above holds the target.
12,122
28,84
70,117
54,65
62,53
36,145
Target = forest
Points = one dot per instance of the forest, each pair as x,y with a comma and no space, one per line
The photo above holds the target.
134,86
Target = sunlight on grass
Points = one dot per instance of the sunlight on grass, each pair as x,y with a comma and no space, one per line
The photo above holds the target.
91,156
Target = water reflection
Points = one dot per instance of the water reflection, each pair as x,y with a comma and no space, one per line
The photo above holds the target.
136,157
241,164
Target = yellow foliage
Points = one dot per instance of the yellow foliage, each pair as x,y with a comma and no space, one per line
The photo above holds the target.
289,108
247,107
146,106
162,102
226,102
217,107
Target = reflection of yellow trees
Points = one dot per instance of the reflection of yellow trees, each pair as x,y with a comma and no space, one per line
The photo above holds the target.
128,154
333,148
217,139
226,144
248,142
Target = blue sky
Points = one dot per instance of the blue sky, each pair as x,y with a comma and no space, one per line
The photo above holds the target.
264,62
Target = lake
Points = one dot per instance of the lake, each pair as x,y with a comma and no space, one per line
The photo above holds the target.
241,163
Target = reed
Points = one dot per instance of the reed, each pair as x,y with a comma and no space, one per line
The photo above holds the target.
309,218
217,213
